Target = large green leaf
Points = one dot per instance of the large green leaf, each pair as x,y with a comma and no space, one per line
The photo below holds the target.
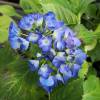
69,11
19,83
87,36
4,25
30,6
71,91
8,10
91,88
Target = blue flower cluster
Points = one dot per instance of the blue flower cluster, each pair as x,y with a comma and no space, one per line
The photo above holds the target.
60,57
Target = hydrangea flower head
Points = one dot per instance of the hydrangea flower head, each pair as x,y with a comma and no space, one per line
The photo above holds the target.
56,56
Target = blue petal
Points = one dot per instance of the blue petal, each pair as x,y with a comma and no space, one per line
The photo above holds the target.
15,44
49,15
80,57
13,30
24,44
47,82
45,43
58,34
77,42
68,32
26,22
57,61
33,64
45,71
38,18
33,37
59,77
60,45
67,76
75,70
64,68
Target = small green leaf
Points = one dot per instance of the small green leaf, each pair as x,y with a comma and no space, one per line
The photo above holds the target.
8,10
4,25
84,70
90,47
95,53
91,88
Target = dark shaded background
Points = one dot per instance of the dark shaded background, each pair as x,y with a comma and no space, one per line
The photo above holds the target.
15,1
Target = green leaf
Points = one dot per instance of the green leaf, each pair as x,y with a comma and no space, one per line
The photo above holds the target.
87,37
4,25
97,32
84,70
72,90
19,83
90,47
30,6
69,11
95,53
91,88
8,10
7,56
61,11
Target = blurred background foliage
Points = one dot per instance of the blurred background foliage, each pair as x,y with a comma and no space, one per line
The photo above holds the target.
16,80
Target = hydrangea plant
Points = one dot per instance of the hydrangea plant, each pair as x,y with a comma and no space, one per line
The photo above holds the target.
58,57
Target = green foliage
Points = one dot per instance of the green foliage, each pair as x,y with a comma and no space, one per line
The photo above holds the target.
84,70
8,10
5,54
95,53
17,82
30,6
70,11
4,25
73,90
87,37
91,88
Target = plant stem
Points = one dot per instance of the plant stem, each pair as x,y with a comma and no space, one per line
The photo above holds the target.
48,96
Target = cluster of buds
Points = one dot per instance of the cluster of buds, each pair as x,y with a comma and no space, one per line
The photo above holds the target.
58,57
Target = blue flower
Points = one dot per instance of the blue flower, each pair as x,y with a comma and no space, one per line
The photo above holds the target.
80,56
51,22
47,83
60,45
65,70
38,18
26,22
59,78
13,30
45,43
14,43
45,71
68,32
58,34
67,76
59,59
24,44
33,37
33,64
75,69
